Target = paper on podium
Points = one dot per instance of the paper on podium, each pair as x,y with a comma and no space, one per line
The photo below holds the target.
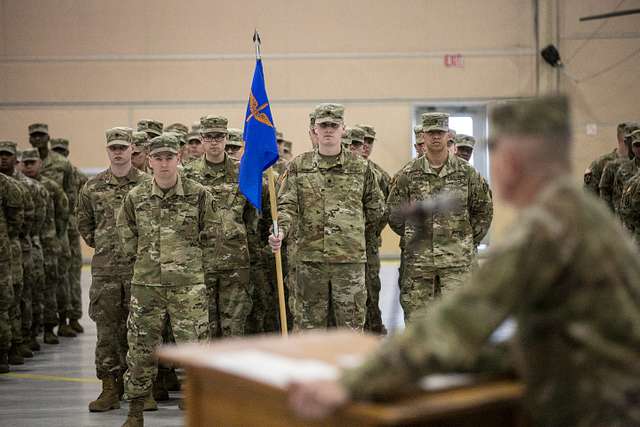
273,369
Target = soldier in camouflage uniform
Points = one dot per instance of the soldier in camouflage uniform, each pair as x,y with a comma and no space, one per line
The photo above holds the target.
443,261
226,264
629,209
111,271
464,146
235,145
139,141
61,146
593,174
419,145
180,131
163,224
58,169
287,150
329,198
11,218
195,150
20,259
566,273
374,318
607,186
53,235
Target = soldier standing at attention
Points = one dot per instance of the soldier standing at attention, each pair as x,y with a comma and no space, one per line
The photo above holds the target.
139,141
98,204
593,173
58,168
464,146
163,224
630,202
566,273
609,172
226,263
11,217
329,200
195,150
53,237
235,145
419,145
442,261
61,146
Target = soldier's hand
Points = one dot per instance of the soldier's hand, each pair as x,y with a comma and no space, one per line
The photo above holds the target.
317,399
275,242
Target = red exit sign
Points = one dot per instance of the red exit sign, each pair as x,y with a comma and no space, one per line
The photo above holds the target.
456,60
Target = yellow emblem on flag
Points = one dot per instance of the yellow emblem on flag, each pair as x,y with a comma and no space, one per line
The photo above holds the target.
255,111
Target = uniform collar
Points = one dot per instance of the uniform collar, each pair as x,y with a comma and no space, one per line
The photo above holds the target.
177,189
132,176
321,163
207,169
452,164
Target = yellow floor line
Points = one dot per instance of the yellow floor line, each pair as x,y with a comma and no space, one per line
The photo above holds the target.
51,378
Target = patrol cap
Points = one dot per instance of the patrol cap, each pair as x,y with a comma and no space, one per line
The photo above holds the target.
279,136
38,127
193,136
288,145
452,136
546,116
9,147
630,127
213,124
177,135
139,140
355,134
177,127
151,126
59,143
635,137
195,127
119,136
369,131
30,154
432,122
417,130
329,113
235,138
166,142
462,140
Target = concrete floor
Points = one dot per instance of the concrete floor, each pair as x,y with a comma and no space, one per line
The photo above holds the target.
54,388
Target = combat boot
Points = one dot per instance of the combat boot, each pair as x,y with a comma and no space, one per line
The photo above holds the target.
135,418
108,398
25,351
65,331
171,380
49,336
76,326
150,403
160,392
15,358
4,362
34,345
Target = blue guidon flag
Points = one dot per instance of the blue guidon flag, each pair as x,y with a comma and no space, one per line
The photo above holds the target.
261,149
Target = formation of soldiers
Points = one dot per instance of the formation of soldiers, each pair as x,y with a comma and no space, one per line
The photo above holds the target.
41,258
181,255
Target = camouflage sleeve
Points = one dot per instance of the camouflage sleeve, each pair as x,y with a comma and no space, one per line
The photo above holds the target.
453,335
630,206
127,227
61,205
250,219
480,207
606,184
69,185
207,220
14,210
592,177
29,211
398,196
39,200
86,218
288,200
375,212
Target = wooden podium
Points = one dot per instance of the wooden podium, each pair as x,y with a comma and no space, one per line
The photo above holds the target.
216,396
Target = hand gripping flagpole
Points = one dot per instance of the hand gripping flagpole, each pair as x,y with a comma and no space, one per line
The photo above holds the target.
274,215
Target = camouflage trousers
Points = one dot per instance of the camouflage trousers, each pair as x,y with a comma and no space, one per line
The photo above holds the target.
229,299
50,288
148,310
62,289
6,303
75,270
329,294
264,314
109,307
26,301
422,286
37,285
15,314
373,320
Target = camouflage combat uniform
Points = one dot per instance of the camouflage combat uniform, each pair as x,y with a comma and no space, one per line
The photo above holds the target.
607,181
625,172
441,261
329,204
164,233
111,271
569,277
593,174
226,264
